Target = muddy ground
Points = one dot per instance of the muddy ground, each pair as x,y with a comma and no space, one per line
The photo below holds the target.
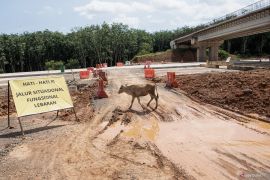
246,92
182,139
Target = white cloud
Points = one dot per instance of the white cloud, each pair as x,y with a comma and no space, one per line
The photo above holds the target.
116,11
162,14
170,4
97,6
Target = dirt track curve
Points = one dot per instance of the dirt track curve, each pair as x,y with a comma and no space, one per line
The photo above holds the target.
182,139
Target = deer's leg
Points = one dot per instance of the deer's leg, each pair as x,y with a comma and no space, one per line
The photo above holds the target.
150,100
156,98
139,101
131,102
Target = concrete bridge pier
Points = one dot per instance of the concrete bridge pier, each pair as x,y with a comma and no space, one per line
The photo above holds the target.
201,53
213,53
213,50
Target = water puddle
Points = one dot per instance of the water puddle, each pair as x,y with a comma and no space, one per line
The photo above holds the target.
140,129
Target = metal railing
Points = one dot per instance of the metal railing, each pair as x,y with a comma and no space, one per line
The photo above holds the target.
246,10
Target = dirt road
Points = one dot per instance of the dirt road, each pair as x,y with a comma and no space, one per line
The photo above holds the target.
182,139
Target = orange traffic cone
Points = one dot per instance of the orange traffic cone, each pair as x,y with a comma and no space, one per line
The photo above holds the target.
101,93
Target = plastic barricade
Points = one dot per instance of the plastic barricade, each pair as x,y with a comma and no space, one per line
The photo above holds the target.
149,73
84,74
105,65
119,64
98,66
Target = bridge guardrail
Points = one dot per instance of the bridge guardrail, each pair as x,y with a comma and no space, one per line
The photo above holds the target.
246,10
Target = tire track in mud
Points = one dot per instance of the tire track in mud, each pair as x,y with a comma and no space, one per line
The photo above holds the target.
222,114
115,139
247,164
162,163
241,120
163,114
115,116
255,160
162,160
226,115
175,110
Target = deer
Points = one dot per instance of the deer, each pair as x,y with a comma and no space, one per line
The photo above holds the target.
137,91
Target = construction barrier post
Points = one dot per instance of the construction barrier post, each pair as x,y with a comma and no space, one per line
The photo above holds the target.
102,75
171,82
96,72
101,93
91,69
147,64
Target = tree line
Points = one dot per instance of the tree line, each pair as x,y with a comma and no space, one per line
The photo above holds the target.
87,46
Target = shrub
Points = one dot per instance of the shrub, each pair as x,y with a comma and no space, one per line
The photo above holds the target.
73,64
223,54
53,65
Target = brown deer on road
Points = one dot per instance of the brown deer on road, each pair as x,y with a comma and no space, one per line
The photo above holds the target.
136,91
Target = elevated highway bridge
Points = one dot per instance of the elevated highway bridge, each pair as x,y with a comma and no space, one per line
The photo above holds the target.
253,19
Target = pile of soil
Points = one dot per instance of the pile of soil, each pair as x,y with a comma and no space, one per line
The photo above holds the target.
154,57
177,55
82,100
246,92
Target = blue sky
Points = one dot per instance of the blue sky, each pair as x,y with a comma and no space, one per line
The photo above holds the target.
18,16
